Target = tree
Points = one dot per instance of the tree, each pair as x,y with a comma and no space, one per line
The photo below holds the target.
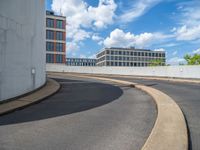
192,60
156,62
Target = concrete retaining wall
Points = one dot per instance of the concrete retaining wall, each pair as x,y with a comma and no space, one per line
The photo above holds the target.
164,71
22,46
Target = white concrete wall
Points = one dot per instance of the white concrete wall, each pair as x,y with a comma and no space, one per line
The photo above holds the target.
22,46
164,71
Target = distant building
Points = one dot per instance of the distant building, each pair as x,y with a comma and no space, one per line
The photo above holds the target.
128,57
55,38
80,62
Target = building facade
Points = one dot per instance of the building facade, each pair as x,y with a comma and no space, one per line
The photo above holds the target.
80,62
55,38
129,57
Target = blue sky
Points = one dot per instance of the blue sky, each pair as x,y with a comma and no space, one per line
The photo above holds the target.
169,25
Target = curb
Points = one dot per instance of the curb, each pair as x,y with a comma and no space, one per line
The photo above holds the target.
170,129
37,96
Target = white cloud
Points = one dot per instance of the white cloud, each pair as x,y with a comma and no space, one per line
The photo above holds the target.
80,16
185,33
137,9
71,46
118,38
196,51
160,49
174,53
92,56
176,61
189,21
95,37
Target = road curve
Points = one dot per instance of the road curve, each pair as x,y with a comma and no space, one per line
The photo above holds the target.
186,95
84,115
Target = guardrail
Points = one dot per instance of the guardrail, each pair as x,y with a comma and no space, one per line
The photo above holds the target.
192,72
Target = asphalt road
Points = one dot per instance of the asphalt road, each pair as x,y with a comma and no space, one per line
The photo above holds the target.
83,115
187,96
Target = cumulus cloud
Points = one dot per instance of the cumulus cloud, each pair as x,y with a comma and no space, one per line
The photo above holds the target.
189,20
96,37
80,17
119,38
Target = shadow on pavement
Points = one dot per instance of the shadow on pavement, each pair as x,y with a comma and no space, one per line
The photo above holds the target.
74,96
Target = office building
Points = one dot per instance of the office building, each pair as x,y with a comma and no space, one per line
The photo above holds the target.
55,38
129,57
80,62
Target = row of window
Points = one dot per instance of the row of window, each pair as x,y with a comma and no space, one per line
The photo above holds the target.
80,60
59,35
80,64
127,58
135,64
60,24
59,47
128,53
58,59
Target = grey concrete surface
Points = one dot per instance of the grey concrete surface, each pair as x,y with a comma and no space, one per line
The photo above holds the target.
22,47
84,115
187,96
183,71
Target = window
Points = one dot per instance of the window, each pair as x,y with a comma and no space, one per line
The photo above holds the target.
50,58
59,58
59,24
49,46
49,23
49,34
59,35
59,47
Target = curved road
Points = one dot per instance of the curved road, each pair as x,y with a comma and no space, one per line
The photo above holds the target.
187,96
84,115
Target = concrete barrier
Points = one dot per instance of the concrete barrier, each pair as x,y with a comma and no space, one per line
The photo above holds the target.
192,72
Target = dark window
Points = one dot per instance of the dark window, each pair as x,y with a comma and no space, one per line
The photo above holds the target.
50,34
59,58
59,24
59,47
59,35
131,53
50,58
49,23
49,46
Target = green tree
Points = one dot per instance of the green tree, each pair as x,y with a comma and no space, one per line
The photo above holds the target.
156,62
192,60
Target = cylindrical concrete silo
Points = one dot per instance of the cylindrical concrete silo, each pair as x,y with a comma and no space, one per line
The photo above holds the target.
22,47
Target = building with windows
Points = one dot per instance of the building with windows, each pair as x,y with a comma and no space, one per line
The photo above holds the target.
129,57
80,62
55,38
